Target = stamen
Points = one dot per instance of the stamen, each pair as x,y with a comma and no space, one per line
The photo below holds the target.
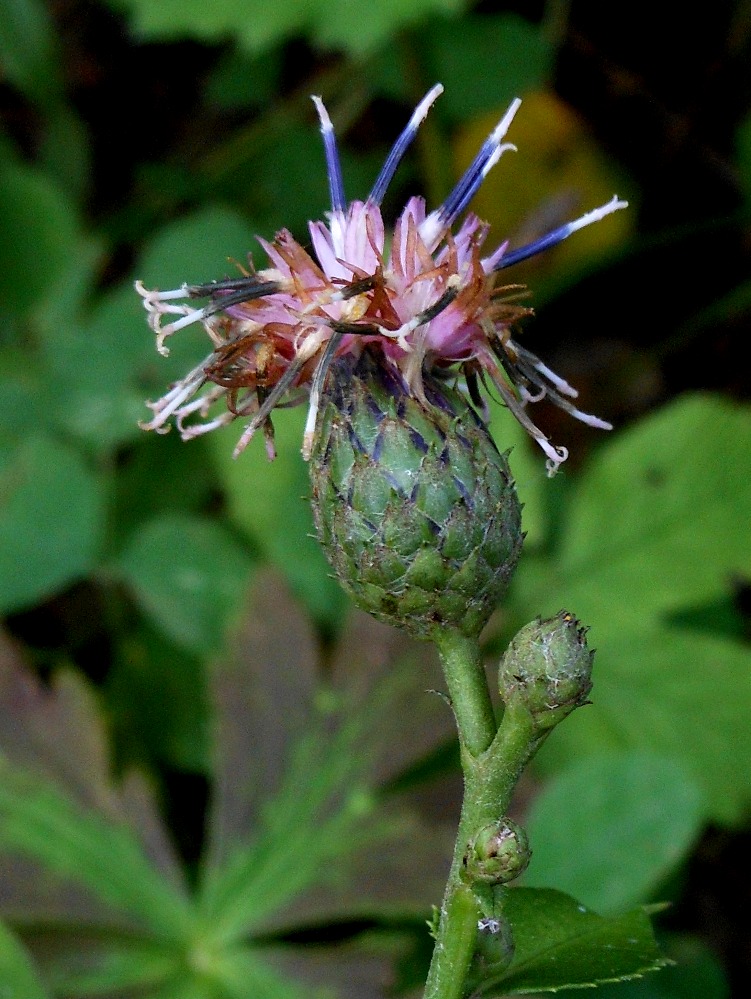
319,376
251,287
556,453
164,408
194,316
199,429
490,263
559,234
453,287
269,403
402,144
328,297
201,404
534,361
528,367
158,296
334,170
238,291
578,414
533,397
306,350
457,201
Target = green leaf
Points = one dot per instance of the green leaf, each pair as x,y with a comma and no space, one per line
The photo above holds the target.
355,26
656,521
162,475
656,528
251,973
280,180
241,80
286,184
268,502
101,366
189,575
609,829
320,815
17,975
39,233
196,248
39,822
263,691
682,695
23,400
65,152
509,56
96,966
95,369
360,27
561,944
51,520
696,972
27,48
56,732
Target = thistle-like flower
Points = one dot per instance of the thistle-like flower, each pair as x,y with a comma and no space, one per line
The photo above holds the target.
422,297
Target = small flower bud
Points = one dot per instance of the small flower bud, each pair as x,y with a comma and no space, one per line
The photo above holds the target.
494,951
495,945
548,666
497,854
415,508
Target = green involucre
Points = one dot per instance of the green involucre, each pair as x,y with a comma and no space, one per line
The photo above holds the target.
415,507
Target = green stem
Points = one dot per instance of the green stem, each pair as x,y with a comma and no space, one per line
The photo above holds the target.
492,762
468,690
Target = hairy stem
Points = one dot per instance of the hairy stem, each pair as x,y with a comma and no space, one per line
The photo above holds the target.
468,690
492,761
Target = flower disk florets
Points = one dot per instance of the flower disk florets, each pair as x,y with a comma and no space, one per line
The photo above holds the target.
423,296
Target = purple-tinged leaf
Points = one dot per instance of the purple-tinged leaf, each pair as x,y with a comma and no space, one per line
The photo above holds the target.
57,784
263,693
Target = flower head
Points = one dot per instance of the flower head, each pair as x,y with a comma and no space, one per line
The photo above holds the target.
425,298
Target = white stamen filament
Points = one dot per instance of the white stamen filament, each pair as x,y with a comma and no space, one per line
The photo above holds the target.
597,214
557,454
159,296
434,226
505,148
505,123
527,396
560,383
421,111
591,421
198,429
170,403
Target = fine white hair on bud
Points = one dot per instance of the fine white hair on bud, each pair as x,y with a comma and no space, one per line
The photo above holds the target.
422,295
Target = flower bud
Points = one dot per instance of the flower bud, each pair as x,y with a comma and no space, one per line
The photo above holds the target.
494,950
414,506
548,667
497,854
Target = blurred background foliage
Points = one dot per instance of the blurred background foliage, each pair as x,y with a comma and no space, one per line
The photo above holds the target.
139,681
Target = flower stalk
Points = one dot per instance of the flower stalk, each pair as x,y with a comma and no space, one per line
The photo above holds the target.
550,656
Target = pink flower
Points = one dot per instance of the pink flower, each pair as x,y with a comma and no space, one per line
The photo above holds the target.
425,298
